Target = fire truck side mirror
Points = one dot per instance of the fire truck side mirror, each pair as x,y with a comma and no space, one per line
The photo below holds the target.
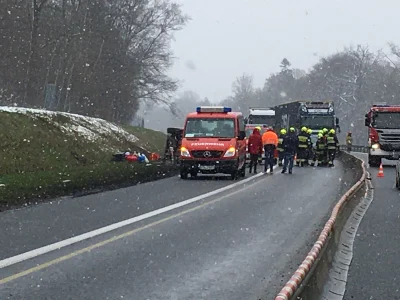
367,120
242,135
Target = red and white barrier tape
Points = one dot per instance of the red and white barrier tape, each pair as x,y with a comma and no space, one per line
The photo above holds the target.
293,284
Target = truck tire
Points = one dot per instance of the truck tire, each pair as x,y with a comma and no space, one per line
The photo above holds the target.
374,161
184,175
242,171
234,175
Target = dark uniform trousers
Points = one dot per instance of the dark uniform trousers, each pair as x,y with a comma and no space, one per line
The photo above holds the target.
302,149
331,145
280,150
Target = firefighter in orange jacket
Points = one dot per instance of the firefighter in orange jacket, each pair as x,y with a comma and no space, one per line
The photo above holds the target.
270,142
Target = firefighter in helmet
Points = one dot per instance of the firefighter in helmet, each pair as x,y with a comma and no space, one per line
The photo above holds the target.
319,152
310,155
331,144
281,151
302,147
349,141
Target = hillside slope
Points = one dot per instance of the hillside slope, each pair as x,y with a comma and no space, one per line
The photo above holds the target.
42,148
35,140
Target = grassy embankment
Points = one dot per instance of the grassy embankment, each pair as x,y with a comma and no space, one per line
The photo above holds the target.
46,154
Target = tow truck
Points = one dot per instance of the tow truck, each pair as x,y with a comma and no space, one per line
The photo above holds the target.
383,122
314,115
214,141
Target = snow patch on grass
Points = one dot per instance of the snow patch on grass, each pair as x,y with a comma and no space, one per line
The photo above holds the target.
92,129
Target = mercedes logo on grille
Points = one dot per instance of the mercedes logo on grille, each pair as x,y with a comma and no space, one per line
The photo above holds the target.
207,154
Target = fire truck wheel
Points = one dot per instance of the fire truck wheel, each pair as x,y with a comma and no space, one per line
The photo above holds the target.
234,174
242,171
374,161
184,174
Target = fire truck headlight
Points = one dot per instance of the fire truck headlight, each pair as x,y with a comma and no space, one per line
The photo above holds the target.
185,152
231,152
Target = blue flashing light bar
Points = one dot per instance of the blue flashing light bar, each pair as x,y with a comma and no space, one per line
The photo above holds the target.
213,109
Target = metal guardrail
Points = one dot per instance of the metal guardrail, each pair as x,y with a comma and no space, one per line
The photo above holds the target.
355,148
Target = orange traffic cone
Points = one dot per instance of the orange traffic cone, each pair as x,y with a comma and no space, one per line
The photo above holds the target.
380,173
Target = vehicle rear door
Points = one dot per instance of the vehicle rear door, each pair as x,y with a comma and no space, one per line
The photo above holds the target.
241,144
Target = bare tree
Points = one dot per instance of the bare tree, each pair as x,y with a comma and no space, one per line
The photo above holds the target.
102,58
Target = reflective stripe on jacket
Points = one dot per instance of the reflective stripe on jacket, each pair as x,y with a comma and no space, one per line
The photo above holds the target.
280,143
331,142
303,141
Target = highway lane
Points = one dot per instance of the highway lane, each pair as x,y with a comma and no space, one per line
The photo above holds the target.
241,244
374,271
33,227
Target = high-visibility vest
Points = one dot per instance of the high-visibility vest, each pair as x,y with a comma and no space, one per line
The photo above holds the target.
303,141
330,142
280,143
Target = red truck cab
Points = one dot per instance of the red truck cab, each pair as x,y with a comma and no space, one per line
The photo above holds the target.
383,122
214,141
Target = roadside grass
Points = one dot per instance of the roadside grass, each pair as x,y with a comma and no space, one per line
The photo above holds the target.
38,160
19,189
151,139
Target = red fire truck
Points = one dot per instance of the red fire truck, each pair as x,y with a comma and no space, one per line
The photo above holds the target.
383,122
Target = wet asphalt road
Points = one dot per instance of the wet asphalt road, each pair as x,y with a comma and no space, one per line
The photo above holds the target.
44,224
374,271
242,244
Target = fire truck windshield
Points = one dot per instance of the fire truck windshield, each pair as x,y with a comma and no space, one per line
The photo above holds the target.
210,127
386,120
264,120
318,122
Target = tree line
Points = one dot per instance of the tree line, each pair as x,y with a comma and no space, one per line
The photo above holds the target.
99,58
353,78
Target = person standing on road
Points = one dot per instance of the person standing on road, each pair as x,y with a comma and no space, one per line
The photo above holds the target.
280,146
290,143
270,142
309,157
302,147
319,150
349,141
325,132
255,149
331,143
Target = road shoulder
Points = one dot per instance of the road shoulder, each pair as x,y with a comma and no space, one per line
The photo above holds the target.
374,269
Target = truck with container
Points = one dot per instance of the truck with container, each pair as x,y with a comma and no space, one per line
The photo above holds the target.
383,122
314,115
214,141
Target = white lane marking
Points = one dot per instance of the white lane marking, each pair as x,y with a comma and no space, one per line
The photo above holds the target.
70,241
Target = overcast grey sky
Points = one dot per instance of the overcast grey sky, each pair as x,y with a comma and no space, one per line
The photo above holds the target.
228,37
